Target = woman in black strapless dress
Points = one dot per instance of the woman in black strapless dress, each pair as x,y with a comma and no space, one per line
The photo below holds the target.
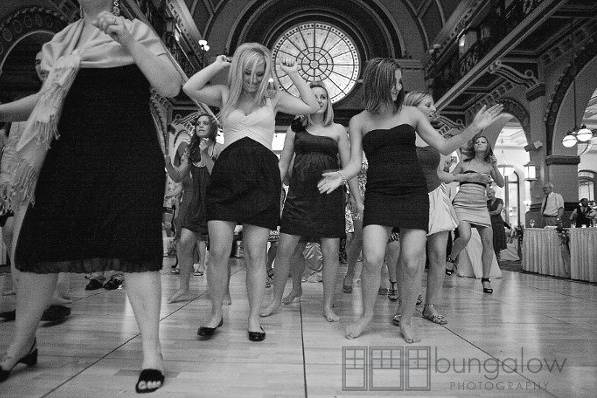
315,143
396,193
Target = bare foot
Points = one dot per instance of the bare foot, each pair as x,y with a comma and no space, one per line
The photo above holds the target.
271,309
254,325
408,331
293,295
227,300
355,329
330,315
181,295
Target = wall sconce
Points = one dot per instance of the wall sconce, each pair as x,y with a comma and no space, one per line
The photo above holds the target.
531,171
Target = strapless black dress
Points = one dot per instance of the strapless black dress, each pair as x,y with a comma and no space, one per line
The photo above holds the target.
307,212
396,191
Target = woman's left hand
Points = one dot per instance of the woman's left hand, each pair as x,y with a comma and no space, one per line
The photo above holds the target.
114,27
203,145
330,181
493,160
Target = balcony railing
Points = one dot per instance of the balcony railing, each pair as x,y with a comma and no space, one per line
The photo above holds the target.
498,23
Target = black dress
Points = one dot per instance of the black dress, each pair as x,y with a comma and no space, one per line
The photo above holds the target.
100,191
396,191
195,218
497,225
307,212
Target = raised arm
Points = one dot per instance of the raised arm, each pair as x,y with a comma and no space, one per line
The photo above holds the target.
19,110
306,104
495,173
158,69
287,153
199,89
484,118
179,173
353,183
333,180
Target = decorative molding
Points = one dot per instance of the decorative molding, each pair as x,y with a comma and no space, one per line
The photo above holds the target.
583,57
24,22
535,92
69,9
534,87
564,46
448,127
561,159
534,18
489,99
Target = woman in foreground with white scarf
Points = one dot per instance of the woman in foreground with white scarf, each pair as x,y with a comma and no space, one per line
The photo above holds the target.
98,190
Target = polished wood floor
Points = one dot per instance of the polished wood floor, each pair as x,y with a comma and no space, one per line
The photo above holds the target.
508,342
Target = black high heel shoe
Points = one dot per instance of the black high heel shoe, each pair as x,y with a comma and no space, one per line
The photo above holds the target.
257,336
205,331
487,290
30,359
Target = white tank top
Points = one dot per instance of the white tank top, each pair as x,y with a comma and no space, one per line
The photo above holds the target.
258,125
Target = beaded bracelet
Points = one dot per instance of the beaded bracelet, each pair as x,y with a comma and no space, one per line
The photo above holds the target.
344,180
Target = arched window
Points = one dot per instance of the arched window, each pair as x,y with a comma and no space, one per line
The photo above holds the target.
512,199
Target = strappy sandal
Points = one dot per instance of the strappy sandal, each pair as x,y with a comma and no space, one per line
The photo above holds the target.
393,291
453,262
487,290
430,313
346,288
148,376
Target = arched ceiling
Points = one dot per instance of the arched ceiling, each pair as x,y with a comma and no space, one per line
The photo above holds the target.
430,16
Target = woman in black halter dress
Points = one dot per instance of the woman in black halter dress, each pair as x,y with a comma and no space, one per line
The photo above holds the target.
396,194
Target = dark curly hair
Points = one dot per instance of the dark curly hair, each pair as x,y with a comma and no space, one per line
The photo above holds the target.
469,152
194,149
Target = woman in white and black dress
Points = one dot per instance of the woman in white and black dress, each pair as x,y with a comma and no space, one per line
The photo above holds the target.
245,185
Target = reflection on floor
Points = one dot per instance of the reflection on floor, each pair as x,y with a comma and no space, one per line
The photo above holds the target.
533,337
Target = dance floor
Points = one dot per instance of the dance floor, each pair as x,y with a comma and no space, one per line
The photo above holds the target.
535,336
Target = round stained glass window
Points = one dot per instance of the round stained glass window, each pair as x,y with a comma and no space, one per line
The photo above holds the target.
323,52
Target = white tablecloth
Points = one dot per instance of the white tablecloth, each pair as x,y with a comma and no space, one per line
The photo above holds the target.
469,260
543,253
583,254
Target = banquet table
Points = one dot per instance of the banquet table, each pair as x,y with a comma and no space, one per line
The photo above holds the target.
543,252
583,254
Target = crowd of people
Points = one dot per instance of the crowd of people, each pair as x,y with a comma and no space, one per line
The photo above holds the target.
88,203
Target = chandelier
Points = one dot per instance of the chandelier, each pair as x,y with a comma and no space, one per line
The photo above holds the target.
582,134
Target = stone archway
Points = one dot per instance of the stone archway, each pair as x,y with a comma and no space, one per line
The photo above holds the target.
583,58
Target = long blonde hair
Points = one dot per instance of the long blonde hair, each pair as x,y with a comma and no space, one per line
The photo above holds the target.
247,55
